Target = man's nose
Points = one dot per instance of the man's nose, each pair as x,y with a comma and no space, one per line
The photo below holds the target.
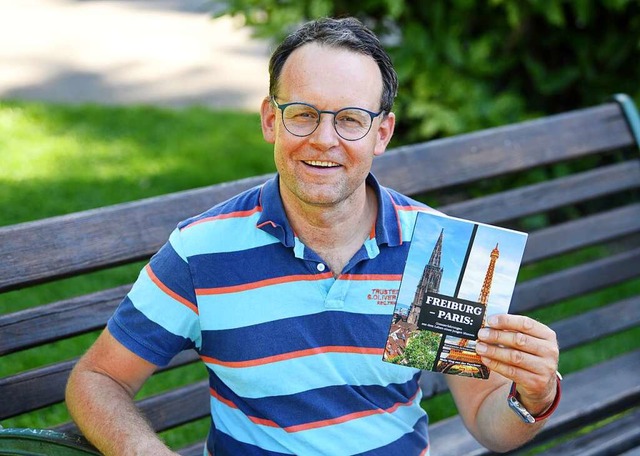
325,134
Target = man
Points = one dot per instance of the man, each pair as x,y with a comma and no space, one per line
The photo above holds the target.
271,289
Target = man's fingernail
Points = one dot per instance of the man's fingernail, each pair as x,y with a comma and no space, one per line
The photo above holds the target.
481,348
483,333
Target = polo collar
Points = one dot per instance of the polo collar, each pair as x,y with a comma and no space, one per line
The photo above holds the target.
273,219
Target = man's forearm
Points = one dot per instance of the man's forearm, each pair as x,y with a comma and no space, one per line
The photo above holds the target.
498,428
105,413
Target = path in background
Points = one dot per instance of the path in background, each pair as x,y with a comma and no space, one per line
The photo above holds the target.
160,52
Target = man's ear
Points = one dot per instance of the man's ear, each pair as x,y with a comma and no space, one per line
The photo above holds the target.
268,120
384,133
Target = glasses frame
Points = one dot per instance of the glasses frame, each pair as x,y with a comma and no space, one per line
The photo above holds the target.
283,106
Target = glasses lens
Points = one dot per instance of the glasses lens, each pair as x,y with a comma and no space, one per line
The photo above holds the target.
352,123
300,119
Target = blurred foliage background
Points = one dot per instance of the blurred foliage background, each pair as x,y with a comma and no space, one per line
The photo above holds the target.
464,65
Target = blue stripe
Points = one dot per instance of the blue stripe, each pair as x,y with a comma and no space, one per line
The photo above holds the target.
173,271
292,334
271,261
321,403
221,444
370,432
225,269
158,347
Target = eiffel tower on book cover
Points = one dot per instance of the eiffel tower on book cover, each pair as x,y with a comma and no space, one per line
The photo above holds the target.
463,357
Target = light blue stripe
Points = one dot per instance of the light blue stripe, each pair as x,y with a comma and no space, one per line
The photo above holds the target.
251,307
266,304
310,372
217,236
371,245
368,433
176,242
298,248
407,221
162,309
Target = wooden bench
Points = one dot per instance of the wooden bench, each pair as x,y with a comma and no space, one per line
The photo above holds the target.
574,184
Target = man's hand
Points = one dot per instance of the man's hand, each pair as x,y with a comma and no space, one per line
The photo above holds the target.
524,351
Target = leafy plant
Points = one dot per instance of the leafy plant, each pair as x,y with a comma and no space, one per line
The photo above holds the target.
465,65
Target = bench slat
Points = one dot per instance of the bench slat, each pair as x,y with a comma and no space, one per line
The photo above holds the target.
38,325
598,323
537,198
94,239
614,438
170,409
591,230
37,388
483,154
578,280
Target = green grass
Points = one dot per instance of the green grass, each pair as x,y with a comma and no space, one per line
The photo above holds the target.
59,159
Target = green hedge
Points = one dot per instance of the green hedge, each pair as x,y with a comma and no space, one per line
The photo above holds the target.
465,65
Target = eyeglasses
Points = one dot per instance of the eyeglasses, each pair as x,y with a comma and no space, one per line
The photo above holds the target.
302,119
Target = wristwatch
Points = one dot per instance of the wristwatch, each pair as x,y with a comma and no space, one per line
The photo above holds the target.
523,413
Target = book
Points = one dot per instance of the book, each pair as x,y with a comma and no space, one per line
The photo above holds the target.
457,274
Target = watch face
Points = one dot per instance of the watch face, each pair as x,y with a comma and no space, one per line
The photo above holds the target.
522,412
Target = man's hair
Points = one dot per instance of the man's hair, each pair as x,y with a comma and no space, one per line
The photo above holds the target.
346,33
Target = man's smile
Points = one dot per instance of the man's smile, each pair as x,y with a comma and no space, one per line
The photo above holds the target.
321,164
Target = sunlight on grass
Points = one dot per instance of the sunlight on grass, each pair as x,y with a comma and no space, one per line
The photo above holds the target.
59,159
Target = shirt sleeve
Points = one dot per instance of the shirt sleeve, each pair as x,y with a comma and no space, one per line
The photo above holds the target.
159,316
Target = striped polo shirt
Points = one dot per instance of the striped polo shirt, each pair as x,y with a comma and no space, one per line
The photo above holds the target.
294,355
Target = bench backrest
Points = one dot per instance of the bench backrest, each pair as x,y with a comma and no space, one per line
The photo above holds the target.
574,184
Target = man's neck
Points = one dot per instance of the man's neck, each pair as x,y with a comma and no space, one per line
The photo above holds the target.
335,232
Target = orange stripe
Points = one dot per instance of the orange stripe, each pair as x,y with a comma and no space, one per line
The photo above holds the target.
237,214
294,355
227,402
416,208
262,283
264,422
332,421
371,276
168,291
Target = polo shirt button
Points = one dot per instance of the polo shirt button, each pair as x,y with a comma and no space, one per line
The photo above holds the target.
321,267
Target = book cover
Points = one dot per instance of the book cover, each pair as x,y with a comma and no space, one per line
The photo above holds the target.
457,274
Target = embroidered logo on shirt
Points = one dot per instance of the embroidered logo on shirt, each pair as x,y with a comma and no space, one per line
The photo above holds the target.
383,296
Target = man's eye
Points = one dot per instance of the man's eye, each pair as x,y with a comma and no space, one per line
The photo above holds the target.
303,115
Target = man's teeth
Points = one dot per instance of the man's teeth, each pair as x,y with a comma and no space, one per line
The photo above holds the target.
324,164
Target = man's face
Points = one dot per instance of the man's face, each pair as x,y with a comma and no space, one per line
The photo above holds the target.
323,169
